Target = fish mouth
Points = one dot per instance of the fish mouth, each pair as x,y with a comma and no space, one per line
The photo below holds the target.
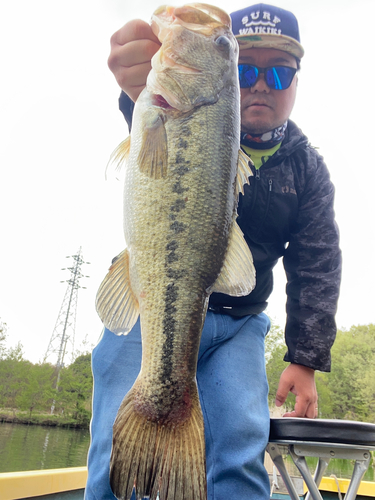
199,17
159,101
165,58
161,82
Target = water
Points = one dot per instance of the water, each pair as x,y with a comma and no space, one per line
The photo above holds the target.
35,447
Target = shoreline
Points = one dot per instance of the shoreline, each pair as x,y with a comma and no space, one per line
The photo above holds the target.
42,419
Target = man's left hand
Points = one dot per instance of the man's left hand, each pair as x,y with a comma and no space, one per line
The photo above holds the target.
299,380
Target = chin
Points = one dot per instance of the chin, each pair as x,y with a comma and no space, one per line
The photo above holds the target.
257,126
256,129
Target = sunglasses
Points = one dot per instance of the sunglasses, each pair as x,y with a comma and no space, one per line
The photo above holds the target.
276,77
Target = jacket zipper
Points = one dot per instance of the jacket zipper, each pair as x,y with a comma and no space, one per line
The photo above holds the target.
255,189
270,183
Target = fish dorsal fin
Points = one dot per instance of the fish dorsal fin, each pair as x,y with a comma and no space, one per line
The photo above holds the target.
119,156
243,172
153,155
116,303
237,276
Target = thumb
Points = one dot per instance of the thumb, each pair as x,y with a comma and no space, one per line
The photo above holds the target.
282,391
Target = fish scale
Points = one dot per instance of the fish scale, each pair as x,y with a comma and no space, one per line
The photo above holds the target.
184,172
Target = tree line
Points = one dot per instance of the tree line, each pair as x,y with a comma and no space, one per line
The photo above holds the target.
348,392
36,389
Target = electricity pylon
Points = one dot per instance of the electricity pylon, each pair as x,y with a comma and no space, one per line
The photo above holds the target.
66,321
64,330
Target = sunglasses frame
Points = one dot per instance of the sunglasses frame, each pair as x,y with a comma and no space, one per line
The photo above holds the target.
264,71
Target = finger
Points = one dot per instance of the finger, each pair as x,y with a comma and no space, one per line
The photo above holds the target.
282,392
301,407
290,414
304,408
299,414
135,76
132,54
313,410
134,30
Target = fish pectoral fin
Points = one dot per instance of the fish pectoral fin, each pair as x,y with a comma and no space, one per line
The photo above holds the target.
237,276
153,155
119,157
116,303
243,171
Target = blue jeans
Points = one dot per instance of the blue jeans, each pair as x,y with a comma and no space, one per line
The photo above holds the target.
233,392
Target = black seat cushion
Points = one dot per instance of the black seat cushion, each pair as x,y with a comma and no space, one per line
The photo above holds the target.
322,431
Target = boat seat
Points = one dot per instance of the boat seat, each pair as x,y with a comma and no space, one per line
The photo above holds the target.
324,439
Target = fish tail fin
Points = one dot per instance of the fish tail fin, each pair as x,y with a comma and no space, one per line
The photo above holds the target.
158,459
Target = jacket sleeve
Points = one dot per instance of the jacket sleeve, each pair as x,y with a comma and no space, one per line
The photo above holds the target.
312,264
126,107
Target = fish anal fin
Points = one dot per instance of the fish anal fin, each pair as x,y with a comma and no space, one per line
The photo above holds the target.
155,456
237,276
116,303
153,155
243,171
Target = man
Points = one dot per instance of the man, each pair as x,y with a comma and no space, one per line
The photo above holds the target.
287,211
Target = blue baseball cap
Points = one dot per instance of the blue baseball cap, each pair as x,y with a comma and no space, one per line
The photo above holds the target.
268,27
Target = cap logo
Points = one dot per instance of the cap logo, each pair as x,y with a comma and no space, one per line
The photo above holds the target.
260,26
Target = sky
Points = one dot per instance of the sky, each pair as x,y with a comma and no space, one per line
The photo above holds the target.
59,123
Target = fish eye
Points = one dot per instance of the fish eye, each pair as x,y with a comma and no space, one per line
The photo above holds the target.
222,42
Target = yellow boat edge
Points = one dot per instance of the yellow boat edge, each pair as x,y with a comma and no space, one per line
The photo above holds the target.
28,484
366,488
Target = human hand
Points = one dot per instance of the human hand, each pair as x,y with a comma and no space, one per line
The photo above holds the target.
299,380
132,48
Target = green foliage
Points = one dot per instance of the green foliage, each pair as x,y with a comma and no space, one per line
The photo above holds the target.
38,393
350,387
3,337
13,377
275,351
348,392
75,390
15,353
28,387
274,340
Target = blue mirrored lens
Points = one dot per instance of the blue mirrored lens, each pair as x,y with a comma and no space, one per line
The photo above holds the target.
248,75
277,77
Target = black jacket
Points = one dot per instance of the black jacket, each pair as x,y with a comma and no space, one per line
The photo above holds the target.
287,211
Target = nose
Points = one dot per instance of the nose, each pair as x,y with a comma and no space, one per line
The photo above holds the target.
260,85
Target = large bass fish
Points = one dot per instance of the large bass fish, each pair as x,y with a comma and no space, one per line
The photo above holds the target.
184,171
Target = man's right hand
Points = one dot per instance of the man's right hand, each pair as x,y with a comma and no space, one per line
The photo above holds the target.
132,48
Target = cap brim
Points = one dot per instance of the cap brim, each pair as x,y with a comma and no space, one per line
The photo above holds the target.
279,42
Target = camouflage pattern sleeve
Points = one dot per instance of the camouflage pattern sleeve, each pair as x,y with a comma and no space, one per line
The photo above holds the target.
312,263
